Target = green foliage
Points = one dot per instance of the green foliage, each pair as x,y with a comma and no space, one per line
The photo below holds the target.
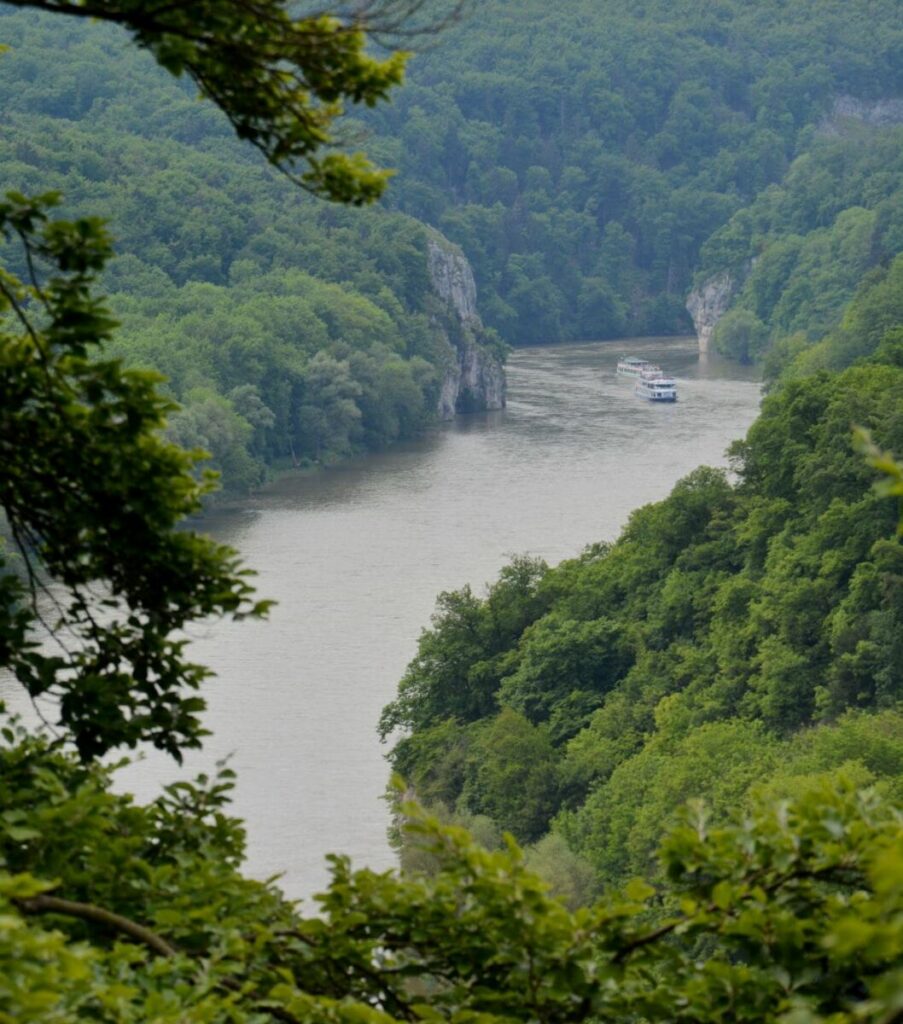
227,277
510,775
137,913
460,661
815,256
619,826
867,746
884,462
740,335
93,494
866,329
583,159
729,763
724,619
564,670
692,657
569,877
281,80
586,194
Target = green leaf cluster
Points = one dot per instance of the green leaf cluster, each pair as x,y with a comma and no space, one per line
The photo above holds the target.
139,913
92,493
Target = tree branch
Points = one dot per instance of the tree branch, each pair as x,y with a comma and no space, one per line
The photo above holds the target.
832,872
44,904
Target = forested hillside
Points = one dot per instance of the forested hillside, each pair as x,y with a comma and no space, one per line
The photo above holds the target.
802,249
741,641
582,161
741,637
289,330
583,155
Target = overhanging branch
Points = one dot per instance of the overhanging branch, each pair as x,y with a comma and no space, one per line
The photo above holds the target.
44,904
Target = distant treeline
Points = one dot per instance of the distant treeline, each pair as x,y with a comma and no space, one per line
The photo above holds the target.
588,164
582,155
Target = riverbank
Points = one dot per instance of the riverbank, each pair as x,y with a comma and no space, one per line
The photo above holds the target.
355,557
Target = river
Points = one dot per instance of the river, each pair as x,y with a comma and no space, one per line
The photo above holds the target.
356,555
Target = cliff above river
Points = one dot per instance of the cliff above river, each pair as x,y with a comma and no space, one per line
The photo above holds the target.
708,302
474,377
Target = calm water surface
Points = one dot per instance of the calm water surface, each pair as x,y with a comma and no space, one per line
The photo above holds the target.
355,556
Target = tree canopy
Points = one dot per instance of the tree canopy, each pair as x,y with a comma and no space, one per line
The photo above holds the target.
93,495
738,636
281,79
247,293
584,188
116,912
140,914
583,157
830,232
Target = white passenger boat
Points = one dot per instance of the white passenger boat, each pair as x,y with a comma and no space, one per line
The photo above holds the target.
630,366
657,387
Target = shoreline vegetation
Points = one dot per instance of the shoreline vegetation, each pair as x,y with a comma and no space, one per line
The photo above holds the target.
696,731
282,469
741,637
589,199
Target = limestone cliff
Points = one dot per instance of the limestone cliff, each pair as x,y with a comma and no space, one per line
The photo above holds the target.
848,110
709,302
474,378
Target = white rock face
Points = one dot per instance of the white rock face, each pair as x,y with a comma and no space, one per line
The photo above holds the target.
473,383
878,113
474,378
452,278
708,303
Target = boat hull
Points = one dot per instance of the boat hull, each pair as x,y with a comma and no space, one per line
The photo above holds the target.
658,398
655,392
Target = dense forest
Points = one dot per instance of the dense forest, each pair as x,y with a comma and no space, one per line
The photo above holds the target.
740,642
289,331
799,252
742,637
583,157
586,193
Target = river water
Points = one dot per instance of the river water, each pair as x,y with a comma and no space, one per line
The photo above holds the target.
356,555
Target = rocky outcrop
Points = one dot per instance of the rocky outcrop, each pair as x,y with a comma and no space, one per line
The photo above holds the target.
708,303
474,377
453,279
848,109
474,383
